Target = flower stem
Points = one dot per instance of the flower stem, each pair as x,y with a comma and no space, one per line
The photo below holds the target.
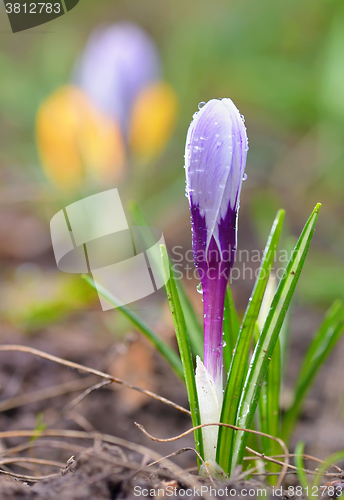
214,290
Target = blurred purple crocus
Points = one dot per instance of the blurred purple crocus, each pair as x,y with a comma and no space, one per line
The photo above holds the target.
119,61
215,159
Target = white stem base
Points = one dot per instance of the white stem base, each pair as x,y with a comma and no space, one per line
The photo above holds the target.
210,404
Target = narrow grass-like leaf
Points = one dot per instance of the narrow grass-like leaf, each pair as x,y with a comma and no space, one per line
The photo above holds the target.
194,327
165,350
184,346
268,337
300,465
324,341
328,462
268,406
273,384
269,396
262,404
231,327
284,335
239,362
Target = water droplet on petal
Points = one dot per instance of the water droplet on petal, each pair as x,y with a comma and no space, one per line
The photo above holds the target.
199,288
244,177
201,104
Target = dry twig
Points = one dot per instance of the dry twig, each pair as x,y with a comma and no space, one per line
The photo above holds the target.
187,479
29,460
85,369
46,393
285,464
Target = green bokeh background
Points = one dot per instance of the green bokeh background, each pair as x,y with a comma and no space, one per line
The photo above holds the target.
282,63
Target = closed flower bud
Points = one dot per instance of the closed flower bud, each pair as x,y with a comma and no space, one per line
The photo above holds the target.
215,159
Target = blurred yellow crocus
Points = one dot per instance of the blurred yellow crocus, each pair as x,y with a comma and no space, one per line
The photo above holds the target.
152,121
76,142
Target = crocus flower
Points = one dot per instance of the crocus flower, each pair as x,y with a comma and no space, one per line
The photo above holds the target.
215,159
119,61
152,121
120,70
117,110
76,142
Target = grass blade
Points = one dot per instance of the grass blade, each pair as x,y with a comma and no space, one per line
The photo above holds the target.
273,392
301,466
268,337
324,341
261,420
165,350
231,328
273,384
269,413
327,463
239,361
183,344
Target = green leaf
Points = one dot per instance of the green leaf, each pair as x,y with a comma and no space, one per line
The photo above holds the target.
268,338
273,384
328,462
238,366
184,346
231,327
165,350
40,426
262,404
268,406
324,341
300,465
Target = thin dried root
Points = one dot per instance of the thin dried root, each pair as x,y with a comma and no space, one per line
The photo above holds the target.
85,369
178,472
285,464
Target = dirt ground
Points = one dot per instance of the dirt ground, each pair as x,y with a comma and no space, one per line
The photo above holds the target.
39,394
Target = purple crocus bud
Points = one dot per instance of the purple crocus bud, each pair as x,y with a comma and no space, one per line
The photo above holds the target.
119,61
215,159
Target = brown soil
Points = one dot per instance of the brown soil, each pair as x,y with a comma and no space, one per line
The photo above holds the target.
90,477
100,470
